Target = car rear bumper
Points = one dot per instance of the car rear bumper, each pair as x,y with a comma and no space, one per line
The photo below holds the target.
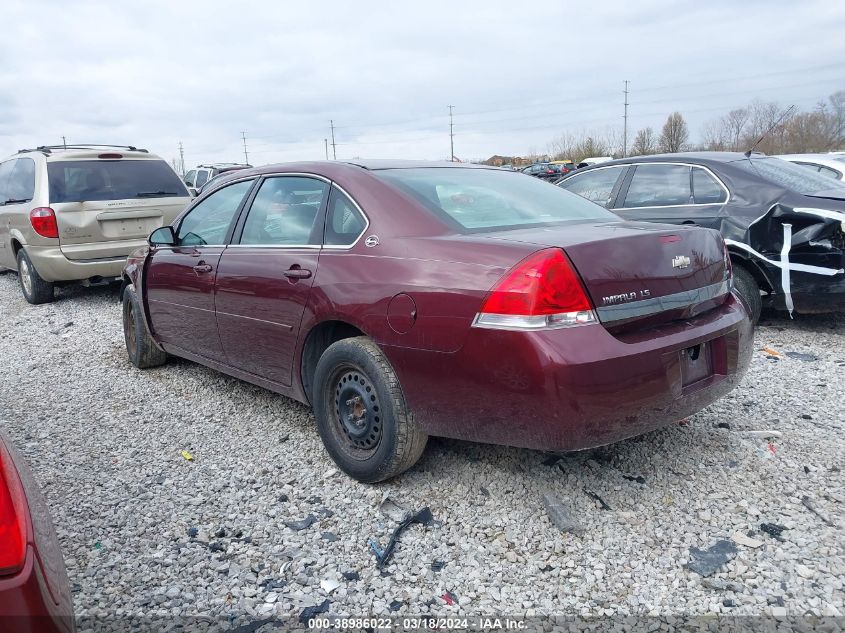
26,605
52,264
574,388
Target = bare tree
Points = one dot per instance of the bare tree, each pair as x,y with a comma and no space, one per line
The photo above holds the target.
645,142
675,133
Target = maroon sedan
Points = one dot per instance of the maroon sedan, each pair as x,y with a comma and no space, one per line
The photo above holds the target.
403,300
34,592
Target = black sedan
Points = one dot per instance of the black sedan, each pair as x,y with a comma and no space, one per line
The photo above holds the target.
783,224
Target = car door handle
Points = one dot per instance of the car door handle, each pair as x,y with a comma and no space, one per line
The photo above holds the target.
202,268
297,273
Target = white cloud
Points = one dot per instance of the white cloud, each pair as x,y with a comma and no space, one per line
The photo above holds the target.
156,73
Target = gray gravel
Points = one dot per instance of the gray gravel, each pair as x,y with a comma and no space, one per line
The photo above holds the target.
145,531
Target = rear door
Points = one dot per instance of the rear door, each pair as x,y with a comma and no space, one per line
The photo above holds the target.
106,206
179,279
265,276
672,194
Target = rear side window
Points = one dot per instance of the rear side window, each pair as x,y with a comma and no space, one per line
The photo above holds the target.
94,180
659,186
208,222
829,172
705,188
21,183
479,199
202,178
285,212
596,185
344,223
5,171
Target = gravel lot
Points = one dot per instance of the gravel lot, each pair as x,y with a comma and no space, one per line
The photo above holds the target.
105,442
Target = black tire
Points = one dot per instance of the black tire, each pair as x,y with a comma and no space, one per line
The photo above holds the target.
140,348
361,413
34,288
748,288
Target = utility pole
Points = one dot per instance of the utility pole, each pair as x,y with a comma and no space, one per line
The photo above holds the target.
246,156
64,142
334,148
326,142
181,159
625,126
451,136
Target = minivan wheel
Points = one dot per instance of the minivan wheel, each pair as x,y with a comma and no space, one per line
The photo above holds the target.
34,288
140,348
361,413
748,288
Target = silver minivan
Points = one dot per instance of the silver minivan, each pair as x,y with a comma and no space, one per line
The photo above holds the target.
74,213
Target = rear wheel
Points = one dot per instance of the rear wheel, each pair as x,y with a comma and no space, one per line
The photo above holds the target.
361,413
140,348
749,290
34,288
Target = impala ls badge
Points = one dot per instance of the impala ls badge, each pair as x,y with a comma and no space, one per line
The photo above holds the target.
680,261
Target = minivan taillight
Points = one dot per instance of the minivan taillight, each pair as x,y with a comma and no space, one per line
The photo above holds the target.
542,291
13,517
43,220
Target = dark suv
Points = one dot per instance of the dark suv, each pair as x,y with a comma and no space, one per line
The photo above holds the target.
783,223
546,171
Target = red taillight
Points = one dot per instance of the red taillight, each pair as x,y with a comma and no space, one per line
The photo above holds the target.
543,290
13,517
43,220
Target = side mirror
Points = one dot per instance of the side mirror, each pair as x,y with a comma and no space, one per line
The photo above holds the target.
163,236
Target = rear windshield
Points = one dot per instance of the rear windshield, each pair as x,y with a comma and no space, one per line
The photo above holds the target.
479,199
88,180
789,175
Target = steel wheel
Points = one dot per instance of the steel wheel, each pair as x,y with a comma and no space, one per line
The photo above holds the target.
357,413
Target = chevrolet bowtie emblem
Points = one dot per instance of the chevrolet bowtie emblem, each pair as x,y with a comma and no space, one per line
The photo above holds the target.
680,261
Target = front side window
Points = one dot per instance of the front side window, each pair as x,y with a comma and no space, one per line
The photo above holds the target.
485,199
705,188
285,212
208,223
659,186
789,175
96,180
596,185
344,223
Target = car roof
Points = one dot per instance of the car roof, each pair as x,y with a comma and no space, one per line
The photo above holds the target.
821,159
696,157
375,164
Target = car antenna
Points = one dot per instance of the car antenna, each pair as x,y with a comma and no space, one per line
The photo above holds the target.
767,132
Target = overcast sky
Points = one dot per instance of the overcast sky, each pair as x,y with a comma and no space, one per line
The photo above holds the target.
518,74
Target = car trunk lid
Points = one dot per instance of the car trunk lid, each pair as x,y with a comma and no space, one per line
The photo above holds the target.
640,274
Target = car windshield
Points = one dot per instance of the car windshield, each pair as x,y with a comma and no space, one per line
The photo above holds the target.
88,180
479,199
789,175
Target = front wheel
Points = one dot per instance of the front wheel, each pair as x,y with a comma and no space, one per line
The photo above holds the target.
749,290
140,348
34,288
361,413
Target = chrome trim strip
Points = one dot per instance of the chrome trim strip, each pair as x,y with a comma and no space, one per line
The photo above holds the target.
645,307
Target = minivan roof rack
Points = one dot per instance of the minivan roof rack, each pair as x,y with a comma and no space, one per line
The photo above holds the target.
49,148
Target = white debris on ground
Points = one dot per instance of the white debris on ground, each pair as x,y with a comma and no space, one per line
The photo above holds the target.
261,523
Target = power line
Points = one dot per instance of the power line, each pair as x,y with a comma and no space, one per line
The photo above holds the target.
246,156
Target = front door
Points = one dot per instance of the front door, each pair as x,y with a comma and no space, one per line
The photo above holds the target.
180,279
265,276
